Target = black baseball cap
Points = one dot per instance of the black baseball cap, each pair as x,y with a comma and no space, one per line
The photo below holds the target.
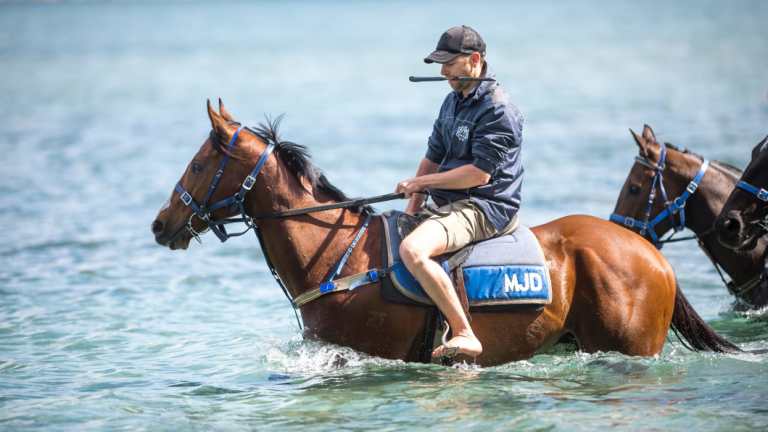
454,42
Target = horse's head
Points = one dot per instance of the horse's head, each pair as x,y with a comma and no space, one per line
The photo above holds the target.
656,188
208,189
744,218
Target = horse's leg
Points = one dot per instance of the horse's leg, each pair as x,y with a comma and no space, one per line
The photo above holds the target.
365,322
515,335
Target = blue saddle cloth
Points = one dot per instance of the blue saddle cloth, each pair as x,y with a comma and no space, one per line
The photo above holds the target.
501,271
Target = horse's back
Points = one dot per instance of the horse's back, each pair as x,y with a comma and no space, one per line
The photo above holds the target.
575,233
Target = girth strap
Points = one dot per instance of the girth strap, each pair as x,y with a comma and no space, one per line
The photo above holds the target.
343,284
347,283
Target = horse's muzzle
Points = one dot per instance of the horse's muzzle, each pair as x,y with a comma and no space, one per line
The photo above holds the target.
177,239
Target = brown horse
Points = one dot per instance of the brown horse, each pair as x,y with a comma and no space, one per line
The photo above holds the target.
640,207
744,218
612,291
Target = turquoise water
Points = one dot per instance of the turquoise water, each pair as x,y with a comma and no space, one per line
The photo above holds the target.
103,106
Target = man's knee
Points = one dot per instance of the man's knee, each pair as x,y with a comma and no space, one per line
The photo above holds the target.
427,240
412,253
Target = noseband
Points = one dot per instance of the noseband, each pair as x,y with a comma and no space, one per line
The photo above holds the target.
671,208
762,195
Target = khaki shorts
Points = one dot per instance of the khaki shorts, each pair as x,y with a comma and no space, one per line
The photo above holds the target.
467,224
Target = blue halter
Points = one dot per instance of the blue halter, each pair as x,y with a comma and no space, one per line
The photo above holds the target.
205,212
760,193
676,206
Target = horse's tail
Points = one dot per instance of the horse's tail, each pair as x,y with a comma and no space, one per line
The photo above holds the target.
689,327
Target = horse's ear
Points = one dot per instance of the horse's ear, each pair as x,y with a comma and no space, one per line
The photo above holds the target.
641,143
218,123
648,134
224,113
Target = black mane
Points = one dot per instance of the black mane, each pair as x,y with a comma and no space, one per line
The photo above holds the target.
297,159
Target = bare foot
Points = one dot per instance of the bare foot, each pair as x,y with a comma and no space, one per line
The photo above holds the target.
468,345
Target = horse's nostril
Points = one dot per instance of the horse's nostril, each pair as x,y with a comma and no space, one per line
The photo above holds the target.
731,224
157,227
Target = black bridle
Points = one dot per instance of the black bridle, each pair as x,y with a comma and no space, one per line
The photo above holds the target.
204,212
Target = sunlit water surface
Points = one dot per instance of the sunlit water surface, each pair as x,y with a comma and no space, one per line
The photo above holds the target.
103,106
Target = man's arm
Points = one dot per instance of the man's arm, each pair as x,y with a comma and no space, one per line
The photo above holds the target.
426,167
463,177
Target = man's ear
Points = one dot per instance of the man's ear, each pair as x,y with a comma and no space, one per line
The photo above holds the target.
475,58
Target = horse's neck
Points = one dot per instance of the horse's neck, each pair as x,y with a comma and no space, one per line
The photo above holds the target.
701,211
302,248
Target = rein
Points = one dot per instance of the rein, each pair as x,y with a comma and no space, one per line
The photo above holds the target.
672,208
204,211
343,204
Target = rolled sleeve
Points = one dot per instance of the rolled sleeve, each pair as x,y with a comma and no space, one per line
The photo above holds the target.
498,133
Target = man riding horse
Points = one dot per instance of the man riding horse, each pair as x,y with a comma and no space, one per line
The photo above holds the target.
472,169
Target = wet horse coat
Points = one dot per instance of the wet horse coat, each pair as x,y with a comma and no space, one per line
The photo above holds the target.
611,290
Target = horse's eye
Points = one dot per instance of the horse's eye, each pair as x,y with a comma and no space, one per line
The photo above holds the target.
634,189
197,168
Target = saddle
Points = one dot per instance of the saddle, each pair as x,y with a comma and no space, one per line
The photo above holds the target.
504,271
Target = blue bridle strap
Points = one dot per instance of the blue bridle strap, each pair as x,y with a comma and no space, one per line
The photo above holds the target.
760,193
328,285
676,206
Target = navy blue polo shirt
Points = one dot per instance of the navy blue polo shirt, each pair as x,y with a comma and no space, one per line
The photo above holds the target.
485,130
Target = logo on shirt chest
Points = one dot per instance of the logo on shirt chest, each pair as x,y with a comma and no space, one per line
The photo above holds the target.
462,133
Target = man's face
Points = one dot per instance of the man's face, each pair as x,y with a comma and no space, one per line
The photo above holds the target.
461,66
